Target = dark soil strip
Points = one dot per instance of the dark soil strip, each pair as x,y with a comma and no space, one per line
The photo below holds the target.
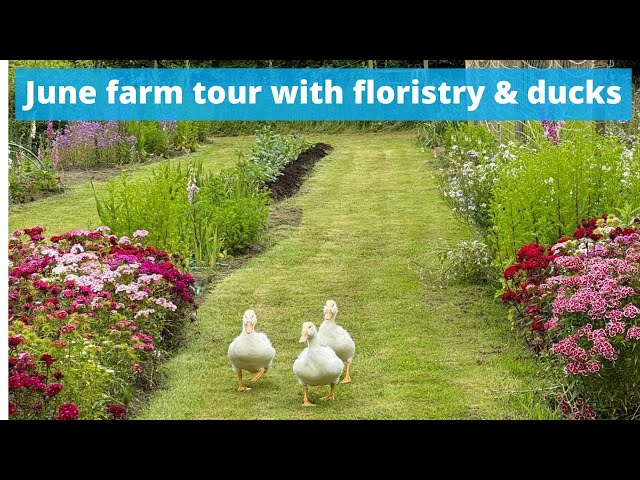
294,174
286,185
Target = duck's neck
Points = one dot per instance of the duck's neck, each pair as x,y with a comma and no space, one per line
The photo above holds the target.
313,341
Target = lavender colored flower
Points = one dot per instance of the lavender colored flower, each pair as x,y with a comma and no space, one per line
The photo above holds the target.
551,129
192,189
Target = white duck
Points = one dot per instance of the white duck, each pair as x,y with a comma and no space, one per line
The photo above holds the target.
336,337
251,350
317,364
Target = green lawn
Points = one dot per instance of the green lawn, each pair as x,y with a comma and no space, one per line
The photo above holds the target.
371,221
76,207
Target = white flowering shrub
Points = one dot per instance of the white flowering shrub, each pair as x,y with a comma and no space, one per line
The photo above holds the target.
469,168
470,261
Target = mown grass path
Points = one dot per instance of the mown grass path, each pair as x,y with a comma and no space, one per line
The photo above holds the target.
372,222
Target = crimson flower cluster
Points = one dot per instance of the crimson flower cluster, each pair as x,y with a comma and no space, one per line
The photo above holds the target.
33,385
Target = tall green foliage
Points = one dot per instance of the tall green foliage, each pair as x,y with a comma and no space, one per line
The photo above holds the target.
157,205
189,211
543,193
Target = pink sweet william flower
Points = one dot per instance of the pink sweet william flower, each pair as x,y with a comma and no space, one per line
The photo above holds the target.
615,315
594,367
633,333
67,328
614,328
67,411
630,311
15,340
140,233
552,323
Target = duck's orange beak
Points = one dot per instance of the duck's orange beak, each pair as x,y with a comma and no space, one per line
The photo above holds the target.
248,327
328,315
304,337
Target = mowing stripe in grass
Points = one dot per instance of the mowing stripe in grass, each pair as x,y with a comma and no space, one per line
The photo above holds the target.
372,221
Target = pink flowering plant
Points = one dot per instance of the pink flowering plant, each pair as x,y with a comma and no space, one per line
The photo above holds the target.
90,144
91,316
579,299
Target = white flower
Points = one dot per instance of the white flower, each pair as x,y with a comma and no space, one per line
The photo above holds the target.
77,248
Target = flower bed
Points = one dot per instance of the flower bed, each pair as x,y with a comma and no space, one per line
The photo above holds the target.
91,316
577,300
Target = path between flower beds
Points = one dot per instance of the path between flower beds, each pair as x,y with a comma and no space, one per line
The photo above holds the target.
372,222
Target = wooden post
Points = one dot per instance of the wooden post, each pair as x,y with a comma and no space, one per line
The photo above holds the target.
425,63
369,63
600,124
518,125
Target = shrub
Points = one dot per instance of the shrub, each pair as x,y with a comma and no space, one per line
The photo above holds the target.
468,171
272,152
30,176
151,138
432,134
158,205
469,262
91,316
188,134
